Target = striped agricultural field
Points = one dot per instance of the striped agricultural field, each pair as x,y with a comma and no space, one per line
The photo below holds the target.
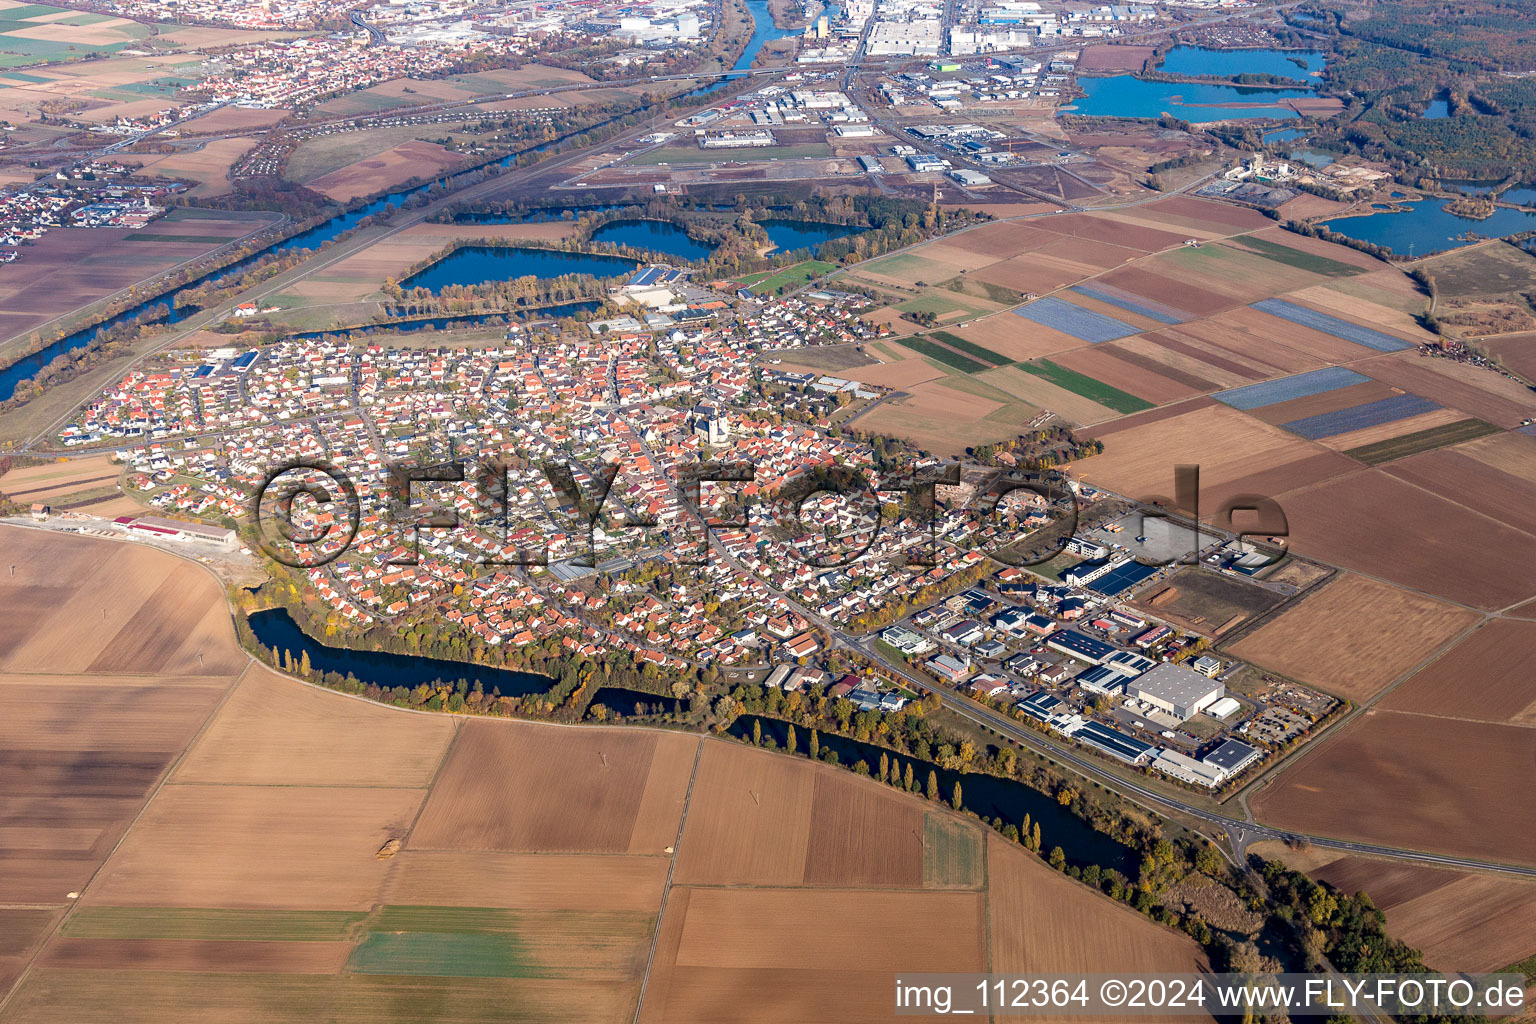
1082,324
1283,389
1132,303
1358,417
1373,339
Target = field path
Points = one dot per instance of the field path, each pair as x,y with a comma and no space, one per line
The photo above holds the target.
666,889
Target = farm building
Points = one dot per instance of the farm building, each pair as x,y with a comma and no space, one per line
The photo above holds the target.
1177,690
143,527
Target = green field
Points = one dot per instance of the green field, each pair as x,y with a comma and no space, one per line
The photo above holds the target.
792,276
442,954
971,348
1394,448
964,364
1296,258
747,154
1082,384
248,925
952,853
939,304
487,942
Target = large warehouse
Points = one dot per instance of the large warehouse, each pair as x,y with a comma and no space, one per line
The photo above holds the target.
1177,690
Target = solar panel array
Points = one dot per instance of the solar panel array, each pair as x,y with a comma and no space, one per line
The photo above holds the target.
1082,324
1122,577
1313,382
1371,414
1331,325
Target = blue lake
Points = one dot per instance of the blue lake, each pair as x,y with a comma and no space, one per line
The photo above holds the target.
1286,135
1129,96
1472,186
789,235
656,235
1197,60
989,796
1312,157
276,629
479,264
1427,227
1436,110
1523,196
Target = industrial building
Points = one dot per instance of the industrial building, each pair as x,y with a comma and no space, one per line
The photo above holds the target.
1083,647
154,527
1113,742
1177,690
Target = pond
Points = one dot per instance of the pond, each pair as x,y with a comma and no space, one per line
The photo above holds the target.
1472,186
986,795
1129,96
656,235
1426,227
789,235
1436,110
276,629
1197,60
1312,157
622,701
479,264
1286,135
1524,196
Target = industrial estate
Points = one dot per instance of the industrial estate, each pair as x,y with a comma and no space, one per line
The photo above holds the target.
690,510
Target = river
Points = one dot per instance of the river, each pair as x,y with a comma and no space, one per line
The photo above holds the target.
986,795
276,629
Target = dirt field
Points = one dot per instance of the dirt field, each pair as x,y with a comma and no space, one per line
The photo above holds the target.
184,955
235,119
276,731
1486,676
863,836
1042,922
629,787
831,959
1378,525
1353,635
1474,391
84,745
241,846
749,819
208,167
67,270
140,611
408,160
1406,780
526,881
1462,921
57,482
1210,603
1140,453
